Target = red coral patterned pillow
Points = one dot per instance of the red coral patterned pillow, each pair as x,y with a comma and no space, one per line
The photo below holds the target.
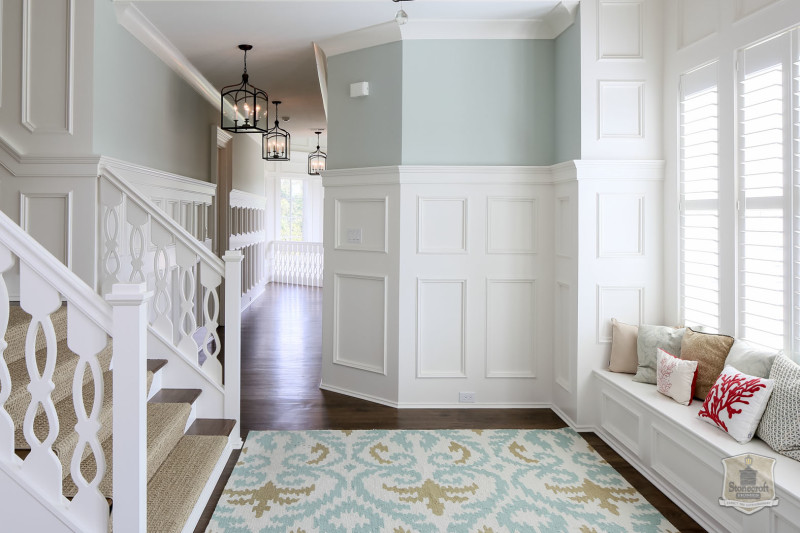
675,377
736,402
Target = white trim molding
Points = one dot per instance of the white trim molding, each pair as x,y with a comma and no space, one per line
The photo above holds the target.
247,200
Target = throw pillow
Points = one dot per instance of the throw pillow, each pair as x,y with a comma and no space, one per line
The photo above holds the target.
736,402
675,377
751,359
780,426
623,347
650,339
710,352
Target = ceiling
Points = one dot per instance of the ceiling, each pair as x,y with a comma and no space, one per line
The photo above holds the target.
282,61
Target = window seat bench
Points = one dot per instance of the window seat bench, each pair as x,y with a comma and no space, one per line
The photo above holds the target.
682,455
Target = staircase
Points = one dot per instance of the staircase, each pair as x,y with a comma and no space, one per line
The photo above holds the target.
116,412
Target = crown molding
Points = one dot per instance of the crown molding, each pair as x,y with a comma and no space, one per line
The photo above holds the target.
52,166
388,32
133,20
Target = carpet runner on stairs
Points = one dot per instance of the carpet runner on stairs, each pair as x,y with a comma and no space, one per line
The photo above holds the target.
179,461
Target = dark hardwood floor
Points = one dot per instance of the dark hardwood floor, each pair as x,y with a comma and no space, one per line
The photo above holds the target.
281,360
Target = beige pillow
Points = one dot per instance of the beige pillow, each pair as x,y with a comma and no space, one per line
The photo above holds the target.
623,347
710,352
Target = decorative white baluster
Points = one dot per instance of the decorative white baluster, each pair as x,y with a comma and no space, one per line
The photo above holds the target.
6,424
233,325
162,304
187,325
40,299
111,200
137,218
86,339
211,280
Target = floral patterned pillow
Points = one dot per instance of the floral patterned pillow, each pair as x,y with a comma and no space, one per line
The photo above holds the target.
736,402
675,377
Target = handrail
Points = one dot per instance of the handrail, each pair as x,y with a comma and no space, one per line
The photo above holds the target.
66,282
206,255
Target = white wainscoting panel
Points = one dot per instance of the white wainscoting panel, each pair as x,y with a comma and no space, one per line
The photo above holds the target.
620,225
359,321
40,212
48,33
620,29
625,303
511,328
511,225
620,421
564,227
441,328
748,7
563,361
621,109
697,19
441,225
370,216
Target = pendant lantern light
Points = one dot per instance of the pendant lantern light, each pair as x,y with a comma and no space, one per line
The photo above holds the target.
317,160
275,143
244,107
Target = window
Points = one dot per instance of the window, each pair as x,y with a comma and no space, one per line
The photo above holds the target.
764,233
699,218
292,206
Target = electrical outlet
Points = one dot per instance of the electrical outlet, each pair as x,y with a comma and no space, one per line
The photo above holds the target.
466,397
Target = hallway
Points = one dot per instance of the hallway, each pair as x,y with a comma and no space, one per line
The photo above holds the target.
281,360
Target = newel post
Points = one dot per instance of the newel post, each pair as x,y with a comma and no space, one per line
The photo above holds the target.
129,362
233,341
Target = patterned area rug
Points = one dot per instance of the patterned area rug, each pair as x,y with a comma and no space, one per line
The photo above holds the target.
428,481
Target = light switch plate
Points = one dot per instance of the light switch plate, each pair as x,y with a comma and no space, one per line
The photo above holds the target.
353,235
358,89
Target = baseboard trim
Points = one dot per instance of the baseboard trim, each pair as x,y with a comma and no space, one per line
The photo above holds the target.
512,405
568,420
360,396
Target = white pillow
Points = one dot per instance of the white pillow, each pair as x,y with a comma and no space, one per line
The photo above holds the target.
751,359
736,402
675,377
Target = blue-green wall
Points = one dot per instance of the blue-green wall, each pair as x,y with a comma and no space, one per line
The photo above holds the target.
365,131
478,102
568,94
144,112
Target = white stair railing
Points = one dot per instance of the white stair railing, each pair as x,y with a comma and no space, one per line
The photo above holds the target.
297,263
43,283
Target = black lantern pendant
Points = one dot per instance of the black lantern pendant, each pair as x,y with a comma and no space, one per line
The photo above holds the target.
317,160
244,107
275,143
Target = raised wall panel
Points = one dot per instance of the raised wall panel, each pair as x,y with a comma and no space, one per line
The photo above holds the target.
697,19
369,215
565,234
620,109
748,7
620,30
620,421
359,322
620,225
47,65
510,328
441,225
441,328
511,226
562,337
624,303
47,217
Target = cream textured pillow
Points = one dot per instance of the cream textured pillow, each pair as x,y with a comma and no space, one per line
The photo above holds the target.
623,347
751,359
675,377
736,402
710,352
780,425
650,339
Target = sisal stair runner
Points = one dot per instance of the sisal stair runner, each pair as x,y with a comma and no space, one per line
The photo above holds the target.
179,459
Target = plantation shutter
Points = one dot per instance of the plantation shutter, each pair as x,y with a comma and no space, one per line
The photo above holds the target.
765,199
699,218
795,133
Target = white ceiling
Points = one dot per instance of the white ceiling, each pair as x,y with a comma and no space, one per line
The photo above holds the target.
282,61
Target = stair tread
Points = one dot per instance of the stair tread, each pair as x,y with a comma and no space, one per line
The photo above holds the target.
211,426
174,490
154,365
176,396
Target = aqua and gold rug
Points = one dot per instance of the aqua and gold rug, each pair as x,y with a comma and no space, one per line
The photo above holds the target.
428,481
